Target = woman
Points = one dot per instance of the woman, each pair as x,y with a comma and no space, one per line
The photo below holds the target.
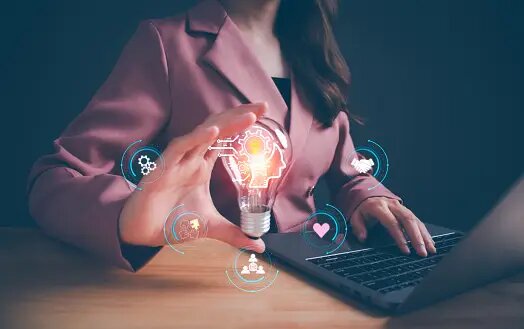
181,82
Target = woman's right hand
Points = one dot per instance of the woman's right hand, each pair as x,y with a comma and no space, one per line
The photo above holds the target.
188,166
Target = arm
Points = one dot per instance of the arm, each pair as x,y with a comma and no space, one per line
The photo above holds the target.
349,187
365,206
75,194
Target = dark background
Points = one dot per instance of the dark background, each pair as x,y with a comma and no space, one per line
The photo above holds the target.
440,83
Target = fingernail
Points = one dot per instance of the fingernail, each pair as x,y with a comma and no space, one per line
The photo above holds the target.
422,251
362,236
405,248
214,130
254,248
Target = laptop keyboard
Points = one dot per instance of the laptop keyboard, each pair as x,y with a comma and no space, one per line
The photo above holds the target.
386,269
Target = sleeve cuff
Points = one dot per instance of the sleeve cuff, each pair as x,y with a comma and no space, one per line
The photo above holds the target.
133,257
137,256
357,191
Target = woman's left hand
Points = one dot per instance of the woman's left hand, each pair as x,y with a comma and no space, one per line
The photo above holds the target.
395,218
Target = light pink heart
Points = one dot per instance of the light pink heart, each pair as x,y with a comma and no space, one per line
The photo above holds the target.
321,230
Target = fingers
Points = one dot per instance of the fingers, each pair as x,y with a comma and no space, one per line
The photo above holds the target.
389,221
258,109
230,126
225,124
179,146
200,151
235,120
358,226
226,231
410,223
211,156
430,244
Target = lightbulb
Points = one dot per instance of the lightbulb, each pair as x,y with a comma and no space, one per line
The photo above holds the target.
257,160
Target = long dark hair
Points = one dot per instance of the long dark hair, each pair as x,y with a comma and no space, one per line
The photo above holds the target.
304,28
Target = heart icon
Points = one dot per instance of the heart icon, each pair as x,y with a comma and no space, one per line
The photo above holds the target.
321,230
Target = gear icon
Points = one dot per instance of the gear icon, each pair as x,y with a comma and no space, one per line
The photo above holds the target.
254,142
141,161
243,167
147,165
145,171
151,166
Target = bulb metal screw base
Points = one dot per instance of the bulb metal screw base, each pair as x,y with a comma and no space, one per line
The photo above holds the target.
255,224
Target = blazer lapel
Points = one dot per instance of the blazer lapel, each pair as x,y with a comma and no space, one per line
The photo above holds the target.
234,61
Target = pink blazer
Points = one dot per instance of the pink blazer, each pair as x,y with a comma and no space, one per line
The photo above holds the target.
172,74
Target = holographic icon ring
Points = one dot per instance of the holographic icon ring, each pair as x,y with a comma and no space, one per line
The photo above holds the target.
182,228
325,229
251,272
373,159
257,161
141,164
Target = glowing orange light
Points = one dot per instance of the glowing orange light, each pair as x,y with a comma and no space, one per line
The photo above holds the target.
257,158
255,145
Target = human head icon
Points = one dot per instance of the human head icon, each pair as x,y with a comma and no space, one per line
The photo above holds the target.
259,157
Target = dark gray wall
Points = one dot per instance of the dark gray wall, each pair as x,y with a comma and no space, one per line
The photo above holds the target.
440,83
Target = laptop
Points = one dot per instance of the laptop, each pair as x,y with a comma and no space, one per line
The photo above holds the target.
377,273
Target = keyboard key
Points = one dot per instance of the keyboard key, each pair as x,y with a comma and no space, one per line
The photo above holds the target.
337,265
386,269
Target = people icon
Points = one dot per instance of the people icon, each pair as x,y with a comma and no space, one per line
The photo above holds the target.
253,267
260,270
245,270
253,263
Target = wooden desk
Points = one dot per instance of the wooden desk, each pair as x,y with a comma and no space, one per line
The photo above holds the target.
44,284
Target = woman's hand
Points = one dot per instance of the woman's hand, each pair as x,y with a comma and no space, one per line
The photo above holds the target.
188,166
395,218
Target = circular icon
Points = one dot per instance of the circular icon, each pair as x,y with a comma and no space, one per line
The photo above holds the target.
141,164
325,229
182,227
251,272
371,159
